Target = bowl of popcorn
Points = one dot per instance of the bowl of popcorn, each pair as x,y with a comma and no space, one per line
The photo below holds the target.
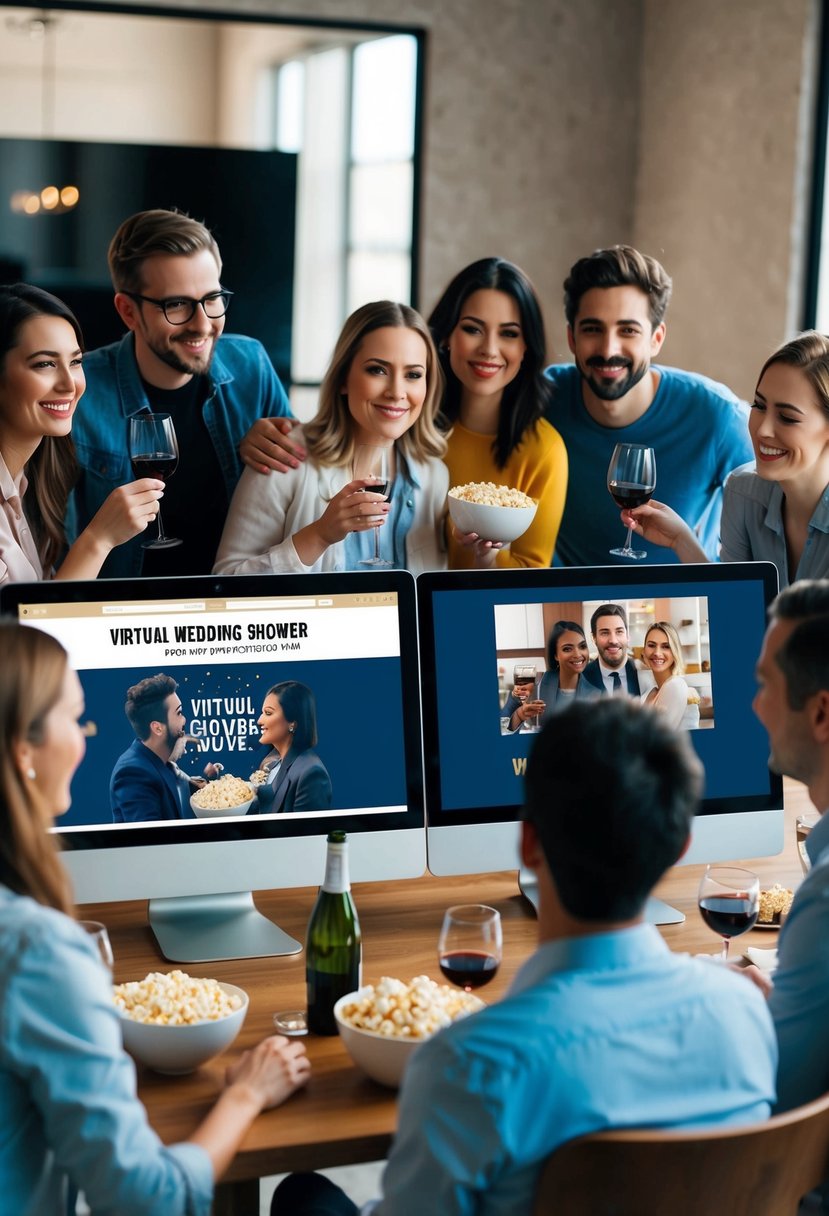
775,903
175,1022
382,1024
494,512
226,796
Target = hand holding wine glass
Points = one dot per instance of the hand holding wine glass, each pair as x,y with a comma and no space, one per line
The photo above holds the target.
631,481
154,453
729,901
469,947
372,460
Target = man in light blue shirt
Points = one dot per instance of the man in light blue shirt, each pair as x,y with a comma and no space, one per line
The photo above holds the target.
603,1026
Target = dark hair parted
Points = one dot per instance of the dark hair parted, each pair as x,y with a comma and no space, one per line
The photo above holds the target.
611,790
525,398
618,266
52,469
608,610
148,234
804,656
34,668
557,630
145,702
300,709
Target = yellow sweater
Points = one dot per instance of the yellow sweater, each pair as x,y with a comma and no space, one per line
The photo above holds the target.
538,466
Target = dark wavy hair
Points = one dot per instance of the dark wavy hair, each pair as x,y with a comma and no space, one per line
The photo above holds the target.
299,707
557,630
526,398
52,469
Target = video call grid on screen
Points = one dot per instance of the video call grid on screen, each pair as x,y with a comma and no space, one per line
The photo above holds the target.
474,768
226,642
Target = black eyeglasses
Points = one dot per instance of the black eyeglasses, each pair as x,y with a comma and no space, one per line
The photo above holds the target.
178,310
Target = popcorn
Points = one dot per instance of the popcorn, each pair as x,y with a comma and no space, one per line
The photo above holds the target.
226,792
410,1011
488,494
774,904
258,778
174,999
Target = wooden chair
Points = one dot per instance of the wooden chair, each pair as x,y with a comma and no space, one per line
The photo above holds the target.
762,1170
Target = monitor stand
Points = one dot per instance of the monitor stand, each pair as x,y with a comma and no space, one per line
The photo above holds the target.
210,928
657,912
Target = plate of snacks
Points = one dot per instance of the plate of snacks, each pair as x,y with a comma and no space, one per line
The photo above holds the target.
493,512
774,906
227,795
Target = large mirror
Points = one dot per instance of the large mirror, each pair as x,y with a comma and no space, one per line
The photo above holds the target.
298,145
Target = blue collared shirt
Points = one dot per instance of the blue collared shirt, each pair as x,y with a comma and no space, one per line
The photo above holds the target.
753,531
243,387
392,535
603,1031
799,1001
68,1105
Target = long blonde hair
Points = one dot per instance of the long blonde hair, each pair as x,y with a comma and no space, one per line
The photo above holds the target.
34,667
671,634
329,436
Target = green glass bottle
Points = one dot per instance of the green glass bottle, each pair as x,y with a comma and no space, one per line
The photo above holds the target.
333,950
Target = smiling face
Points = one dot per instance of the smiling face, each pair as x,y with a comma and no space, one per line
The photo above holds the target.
487,344
41,382
168,355
611,638
614,342
55,760
386,384
657,653
571,655
789,428
275,729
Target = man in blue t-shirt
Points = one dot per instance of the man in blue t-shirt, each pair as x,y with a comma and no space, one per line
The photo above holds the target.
615,302
166,269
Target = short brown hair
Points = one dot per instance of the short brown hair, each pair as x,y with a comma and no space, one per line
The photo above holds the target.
618,266
145,702
149,233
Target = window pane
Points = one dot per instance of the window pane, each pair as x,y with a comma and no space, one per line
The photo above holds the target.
381,206
378,276
304,402
290,89
384,99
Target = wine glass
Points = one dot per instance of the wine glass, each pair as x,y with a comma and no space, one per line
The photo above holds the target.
100,940
524,676
631,480
372,460
154,453
729,901
469,947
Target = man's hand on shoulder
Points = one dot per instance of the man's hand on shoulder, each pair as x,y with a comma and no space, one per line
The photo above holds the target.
267,446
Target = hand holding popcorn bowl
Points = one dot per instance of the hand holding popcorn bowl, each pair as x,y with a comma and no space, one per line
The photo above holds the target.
382,1024
495,513
227,796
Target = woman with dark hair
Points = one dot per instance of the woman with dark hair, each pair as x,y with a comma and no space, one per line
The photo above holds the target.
778,509
567,657
41,383
489,332
297,780
67,1087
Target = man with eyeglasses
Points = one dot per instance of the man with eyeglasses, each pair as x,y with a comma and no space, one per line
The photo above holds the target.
165,269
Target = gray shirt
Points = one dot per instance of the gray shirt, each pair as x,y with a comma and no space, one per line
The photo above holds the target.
752,527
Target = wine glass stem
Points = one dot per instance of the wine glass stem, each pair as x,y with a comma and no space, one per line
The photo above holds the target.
629,537
724,954
377,542
161,535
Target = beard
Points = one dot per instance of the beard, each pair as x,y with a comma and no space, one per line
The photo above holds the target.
193,365
619,388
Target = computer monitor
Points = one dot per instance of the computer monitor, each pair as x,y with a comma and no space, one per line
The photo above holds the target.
476,628
226,641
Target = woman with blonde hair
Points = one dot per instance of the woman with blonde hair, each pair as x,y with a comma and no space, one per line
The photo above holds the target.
67,1087
662,655
382,389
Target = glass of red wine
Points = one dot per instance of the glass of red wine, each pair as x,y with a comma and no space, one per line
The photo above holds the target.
631,480
469,947
372,460
154,453
729,901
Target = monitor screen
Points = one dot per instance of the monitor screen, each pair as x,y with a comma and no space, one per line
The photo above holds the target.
135,830
484,635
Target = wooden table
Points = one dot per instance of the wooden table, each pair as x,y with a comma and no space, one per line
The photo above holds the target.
341,1117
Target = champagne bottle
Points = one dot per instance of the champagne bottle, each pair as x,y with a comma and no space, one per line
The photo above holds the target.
333,949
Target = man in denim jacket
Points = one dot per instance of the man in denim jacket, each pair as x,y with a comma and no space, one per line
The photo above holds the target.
165,268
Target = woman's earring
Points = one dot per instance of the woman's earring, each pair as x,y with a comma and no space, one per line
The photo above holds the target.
31,774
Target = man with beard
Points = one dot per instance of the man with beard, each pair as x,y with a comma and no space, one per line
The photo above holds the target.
146,784
165,269
615,302
612,671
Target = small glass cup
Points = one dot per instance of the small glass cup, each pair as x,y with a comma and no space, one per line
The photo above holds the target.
100,939
803,826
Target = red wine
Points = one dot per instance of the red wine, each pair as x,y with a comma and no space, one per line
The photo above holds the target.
729,915
468,968
630,493
382,487
154,464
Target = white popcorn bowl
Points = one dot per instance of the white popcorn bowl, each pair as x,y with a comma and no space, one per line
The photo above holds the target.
381,1057
175,1050
203,812
491,523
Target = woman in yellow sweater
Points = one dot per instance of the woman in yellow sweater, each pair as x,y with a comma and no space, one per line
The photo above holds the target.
490,334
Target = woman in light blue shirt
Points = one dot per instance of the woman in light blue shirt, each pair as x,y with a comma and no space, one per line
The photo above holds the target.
777,511
68,1107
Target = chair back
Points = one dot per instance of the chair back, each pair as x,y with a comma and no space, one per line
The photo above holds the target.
761,1170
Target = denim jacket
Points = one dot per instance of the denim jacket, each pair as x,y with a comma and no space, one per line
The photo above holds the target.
243,387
